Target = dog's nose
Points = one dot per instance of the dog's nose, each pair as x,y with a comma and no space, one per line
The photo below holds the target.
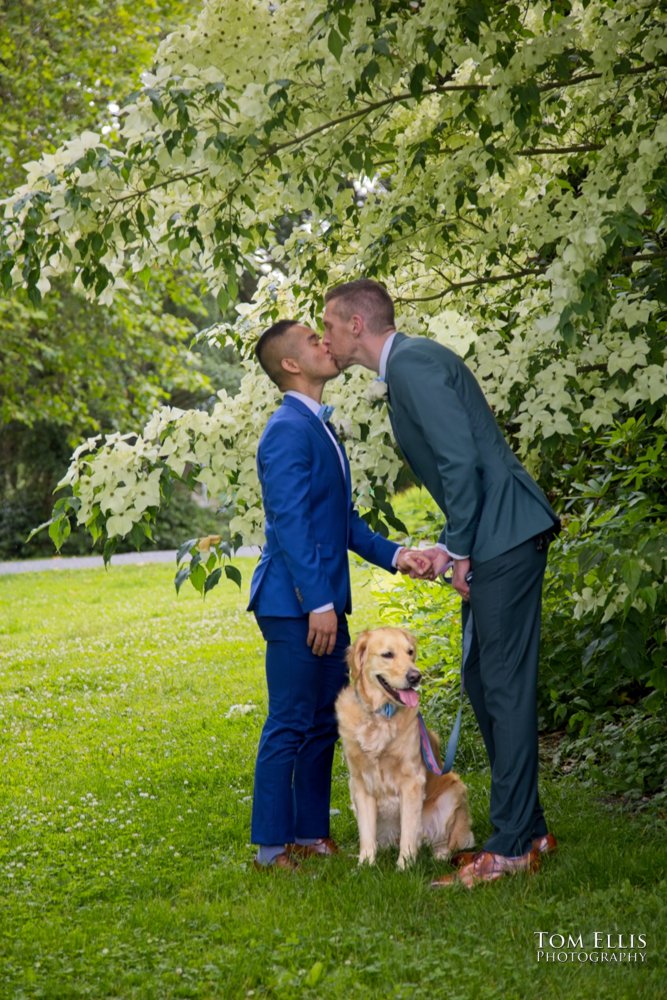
413,677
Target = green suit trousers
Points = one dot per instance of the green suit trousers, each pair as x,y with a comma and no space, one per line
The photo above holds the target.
501,681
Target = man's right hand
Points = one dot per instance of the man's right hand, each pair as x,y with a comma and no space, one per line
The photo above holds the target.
412,562
439,562
322,632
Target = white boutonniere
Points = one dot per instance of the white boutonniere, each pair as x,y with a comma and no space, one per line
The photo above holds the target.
377,389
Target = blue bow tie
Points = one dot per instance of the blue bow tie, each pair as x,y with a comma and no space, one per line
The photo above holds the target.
324,413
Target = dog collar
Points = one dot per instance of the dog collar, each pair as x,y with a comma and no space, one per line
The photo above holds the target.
388,710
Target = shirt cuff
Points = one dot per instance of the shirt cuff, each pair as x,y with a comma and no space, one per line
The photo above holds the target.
397,553
454,555
320,611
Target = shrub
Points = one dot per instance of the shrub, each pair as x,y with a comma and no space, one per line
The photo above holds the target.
603,675
606,596
181,519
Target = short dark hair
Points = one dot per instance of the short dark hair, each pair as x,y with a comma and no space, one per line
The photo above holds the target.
367,297
266,349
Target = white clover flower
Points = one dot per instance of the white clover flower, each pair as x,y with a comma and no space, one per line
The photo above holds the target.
245,709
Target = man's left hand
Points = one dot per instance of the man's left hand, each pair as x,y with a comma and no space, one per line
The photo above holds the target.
322,632
459,582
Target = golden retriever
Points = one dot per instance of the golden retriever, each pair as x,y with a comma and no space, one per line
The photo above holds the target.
395,798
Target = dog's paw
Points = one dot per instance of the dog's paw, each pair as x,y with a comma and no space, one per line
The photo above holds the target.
405,861
367,858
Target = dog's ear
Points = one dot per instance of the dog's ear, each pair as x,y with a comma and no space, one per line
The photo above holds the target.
356,655
411,639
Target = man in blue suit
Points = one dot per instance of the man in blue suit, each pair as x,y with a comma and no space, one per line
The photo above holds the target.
497,531
300,595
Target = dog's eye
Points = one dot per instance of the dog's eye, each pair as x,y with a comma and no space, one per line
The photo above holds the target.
388,655
411,652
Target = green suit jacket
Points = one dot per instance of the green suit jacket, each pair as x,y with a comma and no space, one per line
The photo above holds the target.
449,436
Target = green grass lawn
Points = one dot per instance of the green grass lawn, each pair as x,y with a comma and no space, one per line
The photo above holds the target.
128,727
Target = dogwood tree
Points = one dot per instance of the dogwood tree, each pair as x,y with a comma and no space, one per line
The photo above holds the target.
500,166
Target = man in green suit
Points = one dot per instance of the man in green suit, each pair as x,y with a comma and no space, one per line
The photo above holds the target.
498,528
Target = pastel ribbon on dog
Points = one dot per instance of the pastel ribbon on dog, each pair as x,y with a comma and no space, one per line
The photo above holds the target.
452,743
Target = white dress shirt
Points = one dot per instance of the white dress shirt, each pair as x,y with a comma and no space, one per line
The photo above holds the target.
384,357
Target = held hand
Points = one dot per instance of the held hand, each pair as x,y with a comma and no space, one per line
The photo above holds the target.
439,561
459,582
414,563
322,631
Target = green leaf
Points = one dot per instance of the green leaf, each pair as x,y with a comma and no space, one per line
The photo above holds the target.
314,974
212,580
110,547
381,46
35,531
145,274
395,523
6,274
649,595
198,577
335,43
102,281
181,577
97,242
485,131
417,78
631,572
157,105
232,573
344,26
34,295
59,531
185,549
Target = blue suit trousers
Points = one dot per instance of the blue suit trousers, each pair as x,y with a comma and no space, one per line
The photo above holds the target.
292,789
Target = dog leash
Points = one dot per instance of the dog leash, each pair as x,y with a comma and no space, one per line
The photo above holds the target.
452,743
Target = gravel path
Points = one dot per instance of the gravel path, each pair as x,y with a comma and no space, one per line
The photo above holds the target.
96,562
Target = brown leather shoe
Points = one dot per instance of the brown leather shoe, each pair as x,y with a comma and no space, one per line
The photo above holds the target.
488,867
323,847
282,862
546,844
463,858
543,845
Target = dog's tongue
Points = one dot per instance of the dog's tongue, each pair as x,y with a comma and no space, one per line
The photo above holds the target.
409,698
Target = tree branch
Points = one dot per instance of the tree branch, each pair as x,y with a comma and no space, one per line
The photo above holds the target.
386,102
586,369
558,150
657,255
439,89
453,286
586,77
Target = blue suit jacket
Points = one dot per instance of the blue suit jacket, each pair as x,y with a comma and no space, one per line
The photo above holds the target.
310,521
